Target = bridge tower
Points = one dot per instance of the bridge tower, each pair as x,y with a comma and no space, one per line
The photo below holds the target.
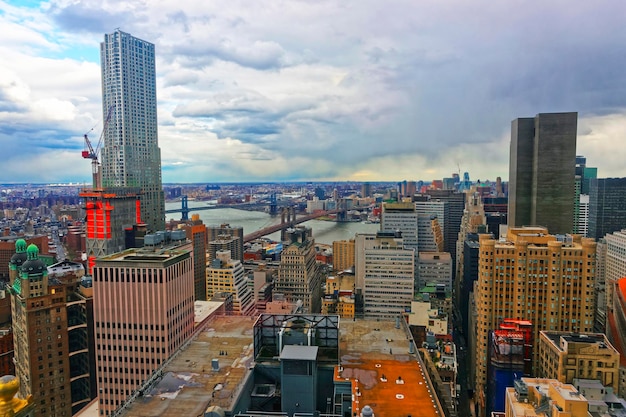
184,208
342,210
273,205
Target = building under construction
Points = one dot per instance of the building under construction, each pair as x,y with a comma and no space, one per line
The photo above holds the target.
113,220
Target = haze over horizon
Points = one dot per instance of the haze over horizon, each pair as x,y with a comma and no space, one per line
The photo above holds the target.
316,91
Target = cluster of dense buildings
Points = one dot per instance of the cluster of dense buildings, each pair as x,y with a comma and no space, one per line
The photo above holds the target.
526,292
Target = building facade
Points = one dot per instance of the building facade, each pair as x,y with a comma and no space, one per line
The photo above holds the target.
299,276
143,311
225,274
343,254
219,232
607,206
544,397
130,154
536,277
541,171
434,268
566,356
385,274
401,217
40,325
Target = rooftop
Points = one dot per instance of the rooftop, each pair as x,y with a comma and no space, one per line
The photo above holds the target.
189,384
375,358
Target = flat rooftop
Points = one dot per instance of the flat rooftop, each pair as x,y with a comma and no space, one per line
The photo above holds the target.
189,385
372,351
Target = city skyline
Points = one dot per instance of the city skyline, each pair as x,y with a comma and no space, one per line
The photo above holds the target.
315,92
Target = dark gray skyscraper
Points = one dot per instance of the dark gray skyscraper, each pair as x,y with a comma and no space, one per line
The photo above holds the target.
607,206
541,171
130,154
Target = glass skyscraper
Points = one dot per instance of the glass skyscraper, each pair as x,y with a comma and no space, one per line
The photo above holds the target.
130,153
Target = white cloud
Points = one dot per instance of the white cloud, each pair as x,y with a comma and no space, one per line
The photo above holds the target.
319,90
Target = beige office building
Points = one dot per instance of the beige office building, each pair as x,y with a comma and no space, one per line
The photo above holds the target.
532,275
227,275
343,254
568,356
144,311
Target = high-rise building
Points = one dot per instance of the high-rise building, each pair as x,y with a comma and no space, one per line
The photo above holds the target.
401,217
607,206
226,275
130,153
299,276
541,171
196,232
616,329
430,237
582,222
451,221
567,356
532,275
614,267
143,312
51,337
385,273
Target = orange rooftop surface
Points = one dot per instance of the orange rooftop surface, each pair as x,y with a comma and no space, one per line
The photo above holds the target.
375,358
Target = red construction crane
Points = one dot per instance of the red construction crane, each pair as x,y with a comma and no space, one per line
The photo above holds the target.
90,153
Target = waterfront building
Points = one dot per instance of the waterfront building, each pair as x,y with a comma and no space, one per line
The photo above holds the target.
143,311
566,356
532,275
541,171
343,254
227,275
299,275
130,153
607,206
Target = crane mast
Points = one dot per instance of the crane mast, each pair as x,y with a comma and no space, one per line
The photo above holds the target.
90,153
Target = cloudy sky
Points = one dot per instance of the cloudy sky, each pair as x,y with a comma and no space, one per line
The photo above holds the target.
316,90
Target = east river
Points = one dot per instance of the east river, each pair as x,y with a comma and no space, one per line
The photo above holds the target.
323,231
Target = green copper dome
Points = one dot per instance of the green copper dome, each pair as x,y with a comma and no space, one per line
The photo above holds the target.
19,256
32,252
20,246
33,265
